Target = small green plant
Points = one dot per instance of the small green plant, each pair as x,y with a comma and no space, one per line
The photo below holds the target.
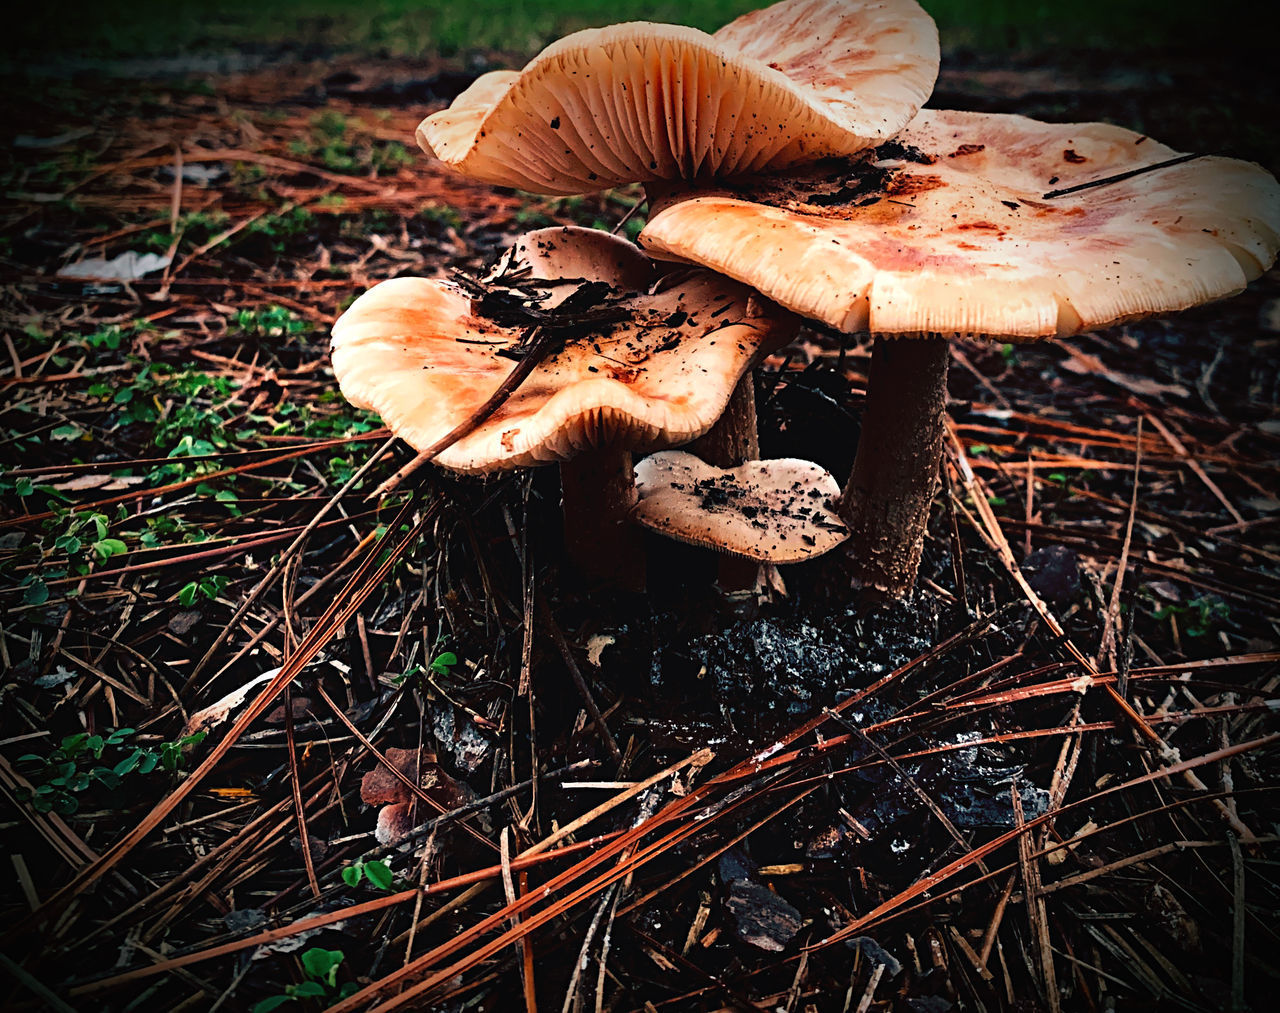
1202,614
442,664
278,228
330,124
208,587
377,873
389,156
73,767
442,216
321,984
83,539
270,322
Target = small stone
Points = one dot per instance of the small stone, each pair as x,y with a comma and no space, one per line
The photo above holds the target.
761,917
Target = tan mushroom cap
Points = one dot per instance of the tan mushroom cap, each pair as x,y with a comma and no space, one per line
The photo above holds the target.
778,511
641,101
416,352
956,236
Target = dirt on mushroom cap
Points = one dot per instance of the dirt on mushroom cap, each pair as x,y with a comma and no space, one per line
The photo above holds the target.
421,354
777,511
642,101
947,230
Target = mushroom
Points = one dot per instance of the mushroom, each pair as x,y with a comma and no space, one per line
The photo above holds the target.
794,82
973,224
636,370
778,511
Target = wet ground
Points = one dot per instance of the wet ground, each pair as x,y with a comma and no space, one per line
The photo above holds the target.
844,842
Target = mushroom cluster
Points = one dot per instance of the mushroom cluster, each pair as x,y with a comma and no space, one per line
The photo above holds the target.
791,170
975,224
634,363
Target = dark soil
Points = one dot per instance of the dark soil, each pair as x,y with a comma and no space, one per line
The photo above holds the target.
851,839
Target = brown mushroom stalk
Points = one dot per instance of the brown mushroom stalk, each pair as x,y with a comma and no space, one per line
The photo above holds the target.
734,438
598,493
969,224
886,501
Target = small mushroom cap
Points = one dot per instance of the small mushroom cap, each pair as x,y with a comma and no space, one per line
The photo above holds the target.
640,101
779,511
418,353
946,230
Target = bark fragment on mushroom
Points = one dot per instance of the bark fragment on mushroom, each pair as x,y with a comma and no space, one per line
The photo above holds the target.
641,101
946,230
637,370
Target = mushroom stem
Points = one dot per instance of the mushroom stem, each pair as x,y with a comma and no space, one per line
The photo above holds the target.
732,440
885,503
598,490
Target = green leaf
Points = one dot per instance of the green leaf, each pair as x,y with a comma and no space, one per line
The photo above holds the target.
170,755
109,547
351,874
270,1003
309,989
35,593
187,596
321,963
378,874
72,745
128,764
442,663
24,486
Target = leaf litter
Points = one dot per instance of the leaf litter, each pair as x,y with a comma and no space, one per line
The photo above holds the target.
818,803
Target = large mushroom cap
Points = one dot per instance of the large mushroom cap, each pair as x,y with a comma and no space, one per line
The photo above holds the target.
422,355
641,101
946,229
778,511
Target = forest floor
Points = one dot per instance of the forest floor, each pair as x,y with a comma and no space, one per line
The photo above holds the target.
1045,782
